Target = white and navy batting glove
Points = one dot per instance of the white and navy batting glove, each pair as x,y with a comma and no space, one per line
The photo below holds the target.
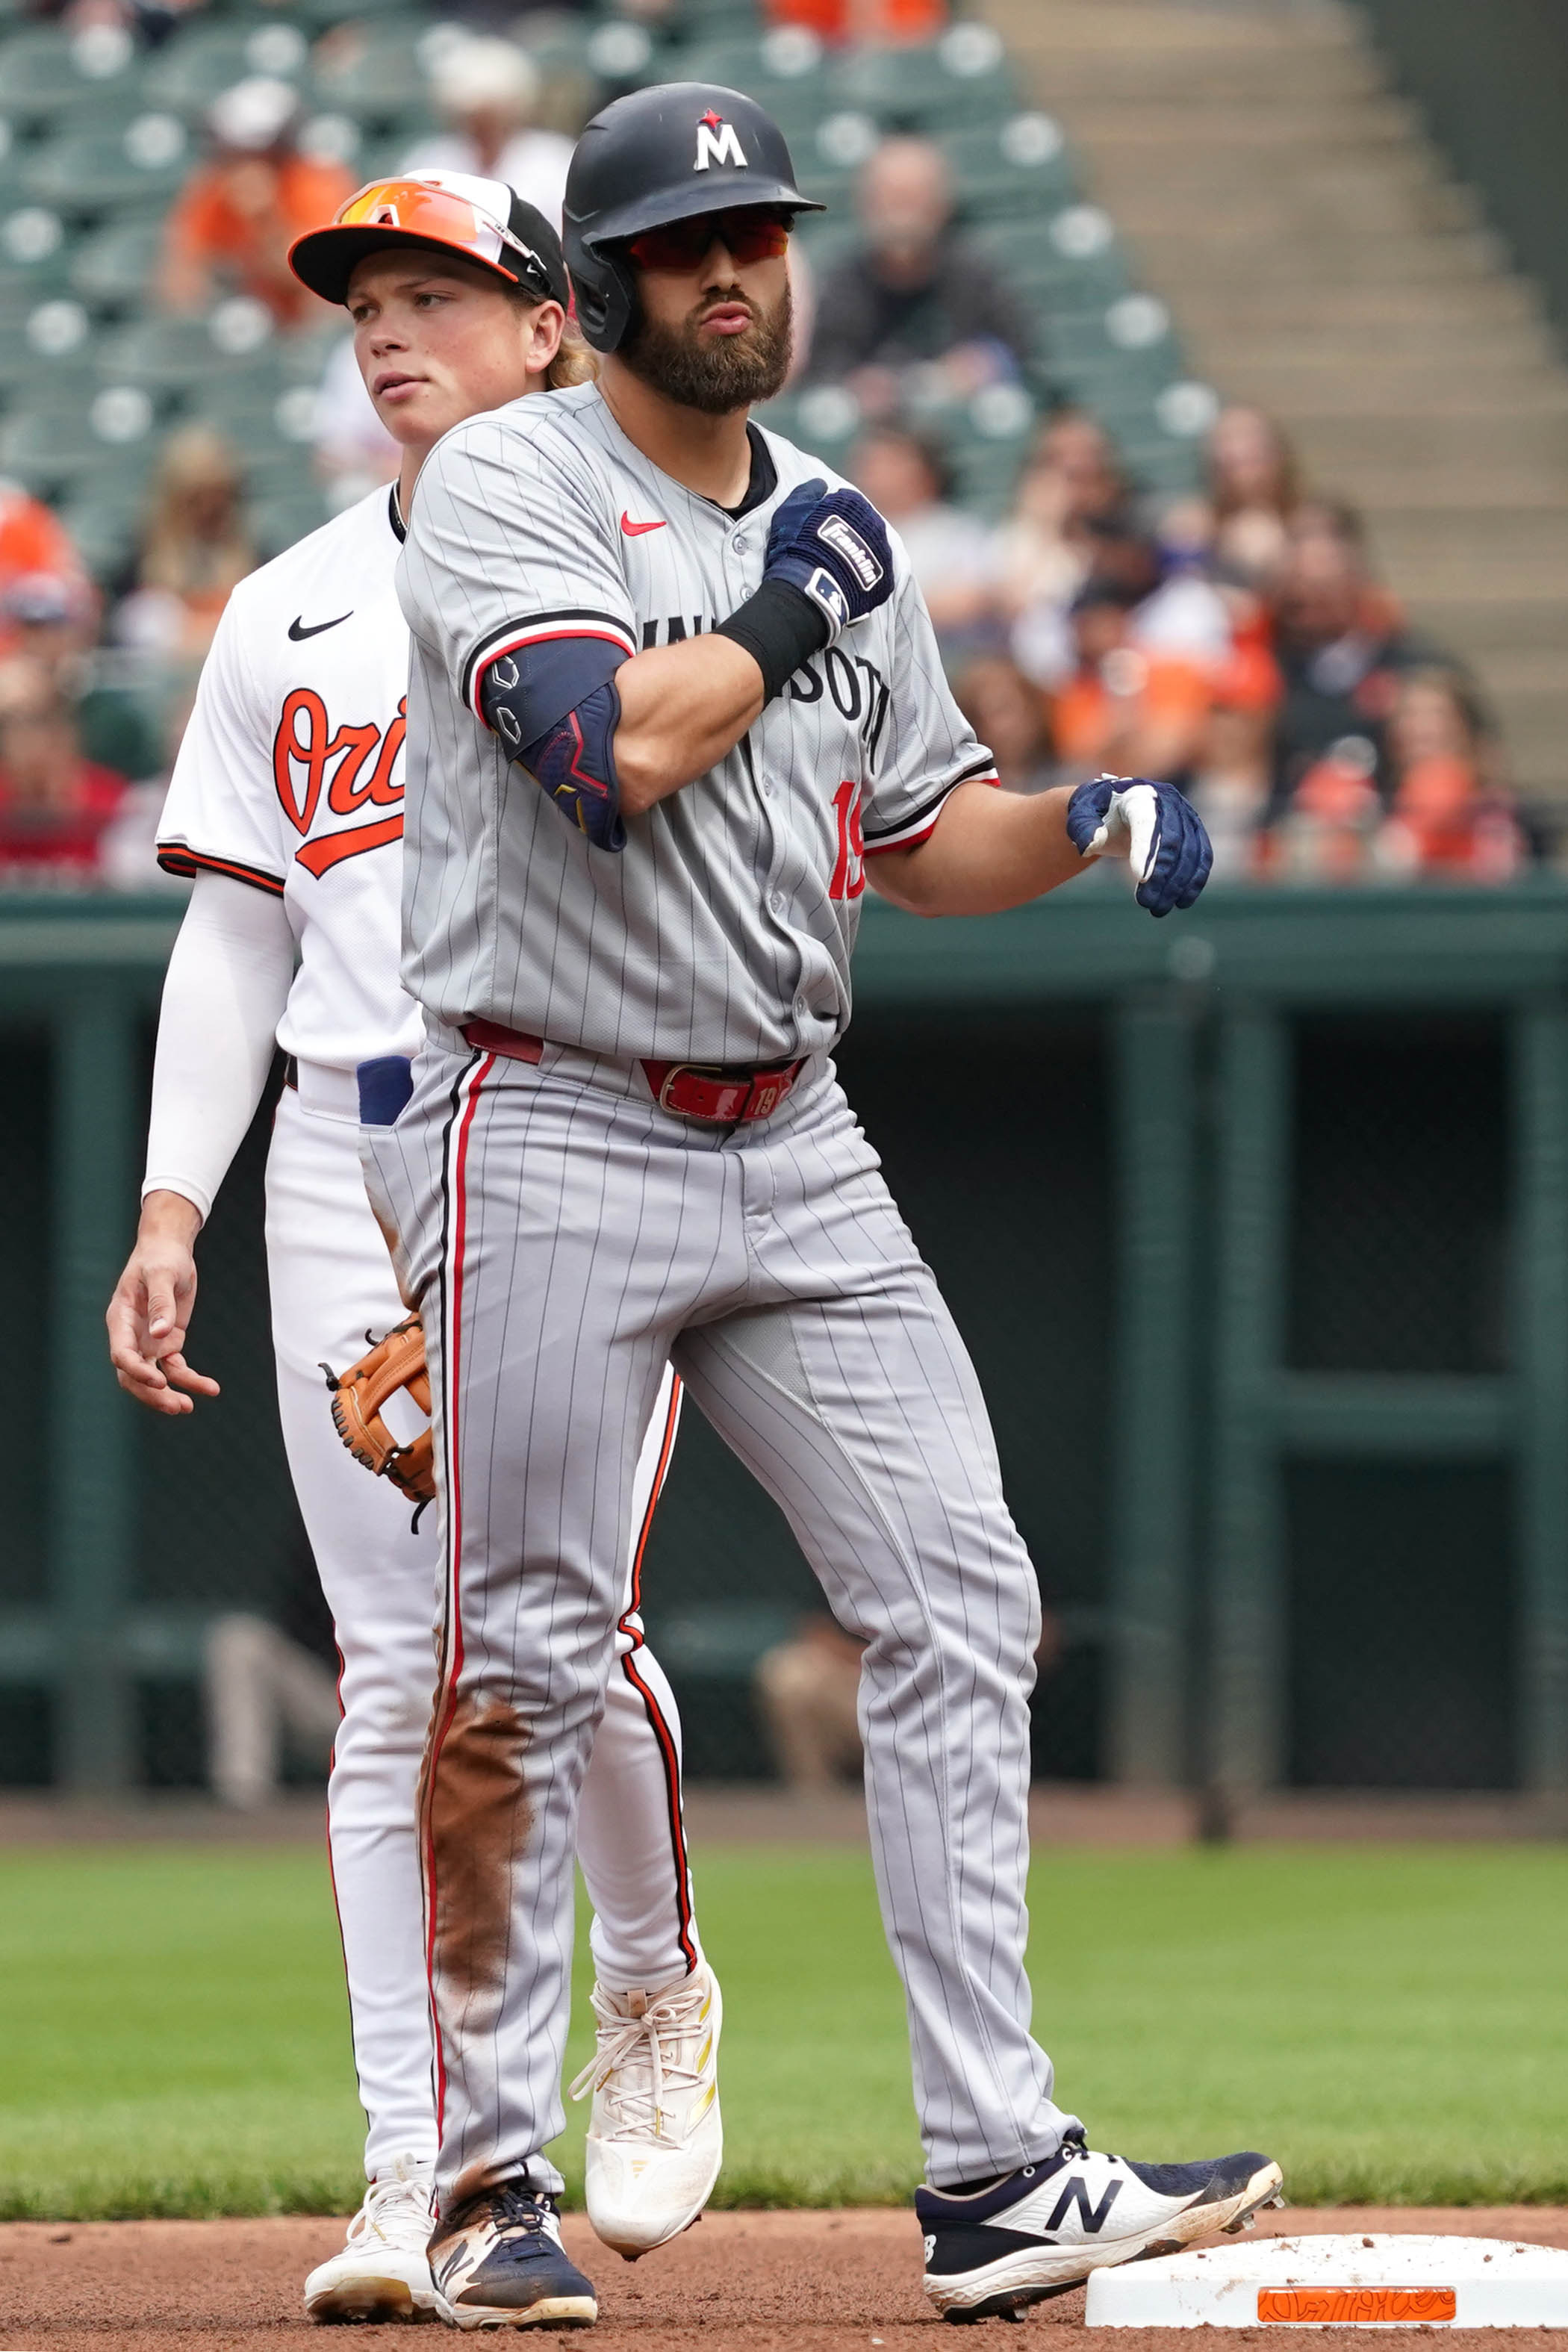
832,546
1154,826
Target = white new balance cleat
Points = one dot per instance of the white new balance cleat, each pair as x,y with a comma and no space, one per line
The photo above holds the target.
990,2253
654,2139
383,2271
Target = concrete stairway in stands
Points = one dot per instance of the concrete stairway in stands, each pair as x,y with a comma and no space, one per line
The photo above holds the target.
1320,260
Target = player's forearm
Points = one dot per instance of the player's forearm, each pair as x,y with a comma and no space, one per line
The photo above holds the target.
991,850
683,708
226,985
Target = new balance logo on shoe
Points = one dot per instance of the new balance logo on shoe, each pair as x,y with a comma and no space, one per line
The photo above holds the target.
1092,2217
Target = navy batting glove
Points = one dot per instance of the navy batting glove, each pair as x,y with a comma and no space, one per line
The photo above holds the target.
1154,827
832,546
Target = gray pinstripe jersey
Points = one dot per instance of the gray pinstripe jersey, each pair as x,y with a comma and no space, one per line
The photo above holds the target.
723,930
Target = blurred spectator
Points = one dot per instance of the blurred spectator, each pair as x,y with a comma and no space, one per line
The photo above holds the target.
1449,818
906,477
1041,555
1341,648
863,20
195,546
1008,713
57,807
1254,490
1232,768
230,228
1176,611
1329,828
915,294
1132,712
266,1696
53,620
33,542
808,1689
486,93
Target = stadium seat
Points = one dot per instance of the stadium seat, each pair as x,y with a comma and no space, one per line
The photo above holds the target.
1127,348
35,248
274,471
49,352
830,163
172,354
965,77
278,522
13,158
112,270
783,71
1169,468
45,73
1010,170
1070,267
195,67
376,70
825,420
67,442
694,20
83,176
102,524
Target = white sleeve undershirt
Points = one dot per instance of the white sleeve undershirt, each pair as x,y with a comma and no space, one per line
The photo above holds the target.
224,994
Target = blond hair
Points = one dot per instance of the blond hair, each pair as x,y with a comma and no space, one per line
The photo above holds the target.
573,363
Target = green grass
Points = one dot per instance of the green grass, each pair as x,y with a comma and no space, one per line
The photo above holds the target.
1390,2022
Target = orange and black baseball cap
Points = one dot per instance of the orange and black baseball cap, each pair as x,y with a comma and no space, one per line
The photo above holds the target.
482,221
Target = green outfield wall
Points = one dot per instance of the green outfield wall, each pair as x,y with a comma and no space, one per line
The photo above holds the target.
1256,1220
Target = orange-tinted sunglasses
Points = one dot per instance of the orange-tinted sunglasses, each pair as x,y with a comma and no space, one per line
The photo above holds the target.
748,234
448,218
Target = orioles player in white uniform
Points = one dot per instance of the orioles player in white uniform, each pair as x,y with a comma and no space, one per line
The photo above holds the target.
286,809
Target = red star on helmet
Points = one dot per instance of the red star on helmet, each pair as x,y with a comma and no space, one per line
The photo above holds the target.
712,119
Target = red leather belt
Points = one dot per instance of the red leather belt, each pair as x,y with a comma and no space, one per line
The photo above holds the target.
703,1090
513,1045
724,1097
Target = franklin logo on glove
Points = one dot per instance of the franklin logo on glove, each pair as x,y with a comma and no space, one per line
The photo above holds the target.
836,533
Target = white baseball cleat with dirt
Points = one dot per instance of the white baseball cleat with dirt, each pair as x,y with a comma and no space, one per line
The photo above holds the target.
383,2271
654,2139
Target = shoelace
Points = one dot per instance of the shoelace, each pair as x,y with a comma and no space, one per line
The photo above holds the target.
393,2211
656,2040
520,2209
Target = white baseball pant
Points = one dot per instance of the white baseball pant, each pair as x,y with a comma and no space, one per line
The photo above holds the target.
770,1263
332,1281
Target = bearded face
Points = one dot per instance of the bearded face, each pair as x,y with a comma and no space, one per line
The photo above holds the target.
713,373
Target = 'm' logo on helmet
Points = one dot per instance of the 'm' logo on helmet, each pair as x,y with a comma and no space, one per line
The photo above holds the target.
718,141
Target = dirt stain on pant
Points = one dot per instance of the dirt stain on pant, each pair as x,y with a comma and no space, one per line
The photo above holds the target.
474,1821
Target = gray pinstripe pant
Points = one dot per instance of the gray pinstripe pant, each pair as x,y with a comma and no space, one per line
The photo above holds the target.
566,1236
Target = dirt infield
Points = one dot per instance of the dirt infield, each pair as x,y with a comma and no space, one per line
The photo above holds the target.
826,2282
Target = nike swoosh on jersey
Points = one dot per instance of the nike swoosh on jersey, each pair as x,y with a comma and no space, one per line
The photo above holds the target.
635,529
299,632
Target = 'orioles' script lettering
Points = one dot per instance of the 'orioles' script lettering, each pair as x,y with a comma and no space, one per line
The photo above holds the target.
354,766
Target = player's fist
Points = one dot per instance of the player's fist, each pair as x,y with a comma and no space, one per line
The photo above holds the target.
832,546
1154,826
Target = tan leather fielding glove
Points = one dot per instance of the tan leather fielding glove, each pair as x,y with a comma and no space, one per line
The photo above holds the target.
396,1362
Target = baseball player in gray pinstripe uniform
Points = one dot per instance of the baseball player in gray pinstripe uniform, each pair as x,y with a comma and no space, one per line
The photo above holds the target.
674,699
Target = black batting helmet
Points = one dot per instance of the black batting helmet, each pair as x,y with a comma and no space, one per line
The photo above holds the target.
658,155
